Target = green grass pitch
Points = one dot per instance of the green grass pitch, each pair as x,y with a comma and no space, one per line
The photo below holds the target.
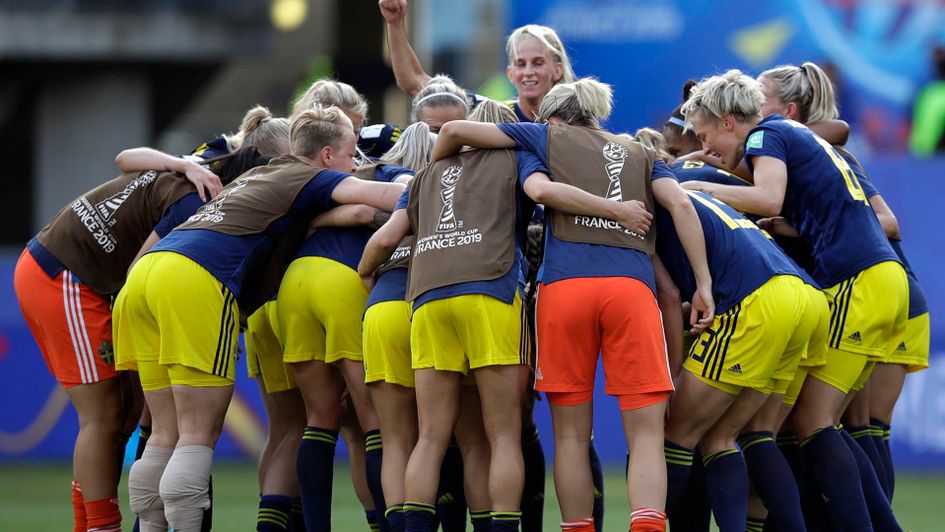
36,497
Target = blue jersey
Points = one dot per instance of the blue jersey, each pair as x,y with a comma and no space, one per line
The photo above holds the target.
917,303
504,288
346,244
701,171
741,256
239,261
569,260
390,286
378,139
823,200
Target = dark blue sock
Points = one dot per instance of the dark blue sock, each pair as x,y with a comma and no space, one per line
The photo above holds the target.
698,511
419,517
372,523
812,503
481,520
450,496
298,518
373,457
773,480
678,470
597,474
727,482
533,491
755,525
395,517
274,514
863,436
505,521
880,434
828,459
315,468
880,511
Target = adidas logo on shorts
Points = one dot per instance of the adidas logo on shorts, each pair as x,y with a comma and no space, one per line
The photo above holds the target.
902,346
855,337
737,369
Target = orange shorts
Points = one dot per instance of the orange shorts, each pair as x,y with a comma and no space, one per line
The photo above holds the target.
615,318
71,324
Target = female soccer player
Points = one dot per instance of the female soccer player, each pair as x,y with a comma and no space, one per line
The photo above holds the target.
801,174
440,101
597,284
387,344
199,274
82,257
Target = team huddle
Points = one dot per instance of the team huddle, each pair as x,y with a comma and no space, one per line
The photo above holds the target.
736,271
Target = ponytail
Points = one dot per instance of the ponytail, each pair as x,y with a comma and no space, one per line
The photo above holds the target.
263,131
318,127
808,87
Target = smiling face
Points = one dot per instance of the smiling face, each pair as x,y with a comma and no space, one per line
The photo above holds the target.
720,139
534,70
436,116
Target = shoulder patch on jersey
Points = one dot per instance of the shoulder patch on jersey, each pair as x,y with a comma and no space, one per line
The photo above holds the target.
756,139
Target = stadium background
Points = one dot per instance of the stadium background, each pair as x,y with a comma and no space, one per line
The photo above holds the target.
81,80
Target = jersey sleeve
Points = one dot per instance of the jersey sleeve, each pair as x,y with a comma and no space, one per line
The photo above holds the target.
765,142
660,170
215,148
387,174
529,136
528,164
376,140
178,213
316,194
404,200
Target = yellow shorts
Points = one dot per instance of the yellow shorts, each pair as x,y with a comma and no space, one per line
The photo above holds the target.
264,351
172,311
819,311
757,339
468,332
868,312
844,370
387,343
320,306
794,387
913,351
157,377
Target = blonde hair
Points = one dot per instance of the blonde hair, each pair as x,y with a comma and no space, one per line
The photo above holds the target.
413,149
731,93
318,127
549,39
263,131
654,140
493,112
808,87
440,91
584,102
329,92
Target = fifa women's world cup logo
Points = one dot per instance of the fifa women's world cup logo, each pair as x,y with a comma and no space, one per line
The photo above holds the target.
449,179
615,154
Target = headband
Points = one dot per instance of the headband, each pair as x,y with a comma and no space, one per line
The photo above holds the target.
435,94
677,122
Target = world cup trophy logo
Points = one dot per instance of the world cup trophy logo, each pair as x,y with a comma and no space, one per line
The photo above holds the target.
449,179
615,154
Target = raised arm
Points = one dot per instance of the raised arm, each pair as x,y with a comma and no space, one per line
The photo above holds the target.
458,133
379,195
408,71
142,159
382,244
765,198
675,200
631,215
